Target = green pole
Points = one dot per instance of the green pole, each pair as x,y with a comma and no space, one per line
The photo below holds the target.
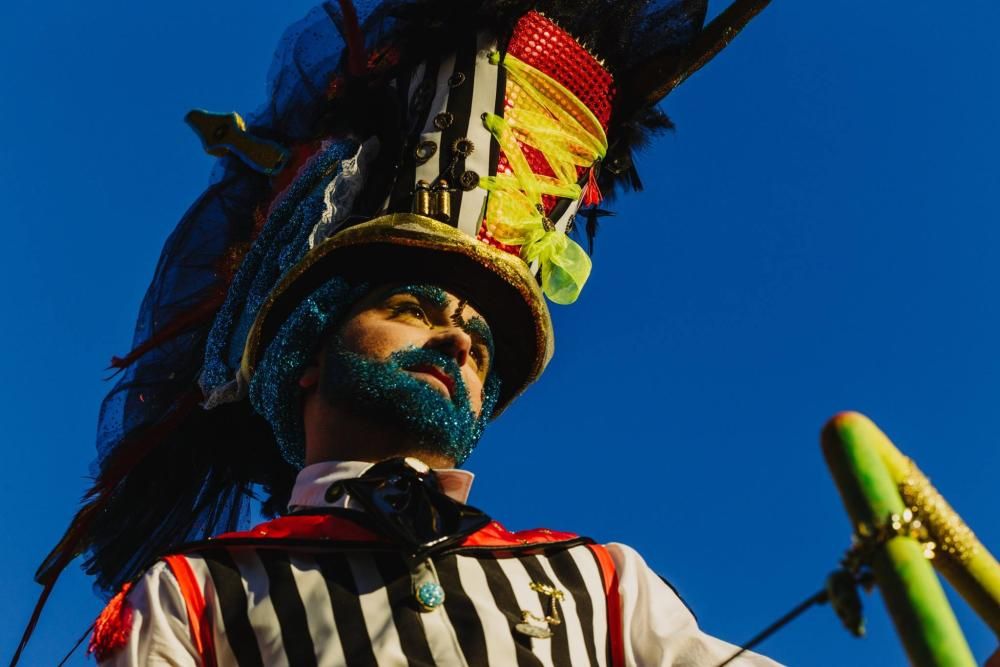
912,592
963,560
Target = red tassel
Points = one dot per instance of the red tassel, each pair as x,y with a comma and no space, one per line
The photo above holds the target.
591,193
356,59
112,627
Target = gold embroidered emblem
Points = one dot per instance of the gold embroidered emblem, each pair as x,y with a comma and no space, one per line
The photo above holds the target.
536,626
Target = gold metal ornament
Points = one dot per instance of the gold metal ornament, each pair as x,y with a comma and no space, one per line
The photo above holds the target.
225,133
468,180
441,201
462,147
444,120
424,151
531,624
422,198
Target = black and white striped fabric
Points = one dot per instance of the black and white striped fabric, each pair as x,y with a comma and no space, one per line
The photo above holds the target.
445,101
277,606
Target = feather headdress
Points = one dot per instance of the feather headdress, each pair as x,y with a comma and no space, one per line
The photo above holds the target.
486,126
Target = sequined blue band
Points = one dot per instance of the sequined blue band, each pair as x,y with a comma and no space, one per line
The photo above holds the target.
274,389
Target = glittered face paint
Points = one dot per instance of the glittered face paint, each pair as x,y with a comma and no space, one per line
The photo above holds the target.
274,389
430,293
384,390
482,338
430,304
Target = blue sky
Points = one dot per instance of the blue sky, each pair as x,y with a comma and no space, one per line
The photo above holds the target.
818,234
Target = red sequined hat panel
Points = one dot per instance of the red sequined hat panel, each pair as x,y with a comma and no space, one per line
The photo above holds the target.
547,47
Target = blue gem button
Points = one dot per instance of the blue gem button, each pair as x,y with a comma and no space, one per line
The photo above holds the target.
430,595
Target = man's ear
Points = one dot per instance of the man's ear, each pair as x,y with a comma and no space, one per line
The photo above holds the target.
310,377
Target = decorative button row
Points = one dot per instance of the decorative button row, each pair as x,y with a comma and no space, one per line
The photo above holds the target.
444,120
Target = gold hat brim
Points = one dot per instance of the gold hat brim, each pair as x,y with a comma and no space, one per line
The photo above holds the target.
408,247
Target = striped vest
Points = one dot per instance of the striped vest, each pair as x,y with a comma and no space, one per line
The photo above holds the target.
325,590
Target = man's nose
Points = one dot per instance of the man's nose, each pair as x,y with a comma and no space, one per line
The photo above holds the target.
454,342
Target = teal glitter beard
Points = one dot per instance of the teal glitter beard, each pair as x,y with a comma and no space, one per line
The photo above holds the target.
385,391
274,388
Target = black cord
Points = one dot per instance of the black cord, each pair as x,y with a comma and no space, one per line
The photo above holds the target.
818,598
76,646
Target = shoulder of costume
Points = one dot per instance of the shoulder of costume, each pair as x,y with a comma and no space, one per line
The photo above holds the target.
350,529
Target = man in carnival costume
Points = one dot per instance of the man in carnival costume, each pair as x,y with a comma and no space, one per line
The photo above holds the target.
337,319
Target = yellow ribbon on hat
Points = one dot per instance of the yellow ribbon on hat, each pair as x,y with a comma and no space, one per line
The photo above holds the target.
546,116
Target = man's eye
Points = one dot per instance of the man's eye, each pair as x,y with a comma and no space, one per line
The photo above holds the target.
412,310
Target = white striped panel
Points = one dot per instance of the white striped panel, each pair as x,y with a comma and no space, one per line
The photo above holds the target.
586,562
376,610
442,639
567,215
484,97
527,600
571,618
262,616
500,646
430,170
319,610
223,653
418,76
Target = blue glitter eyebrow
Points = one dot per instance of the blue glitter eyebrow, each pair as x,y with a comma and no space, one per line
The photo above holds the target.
474,326
430,293
477,327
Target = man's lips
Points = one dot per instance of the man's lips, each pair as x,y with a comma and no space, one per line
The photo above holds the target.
437,374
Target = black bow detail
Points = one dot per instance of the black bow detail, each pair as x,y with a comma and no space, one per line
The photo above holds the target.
409,507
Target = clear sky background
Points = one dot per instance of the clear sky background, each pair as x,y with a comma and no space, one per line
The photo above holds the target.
819,234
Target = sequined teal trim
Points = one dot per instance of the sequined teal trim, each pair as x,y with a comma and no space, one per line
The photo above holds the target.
274,389
282,242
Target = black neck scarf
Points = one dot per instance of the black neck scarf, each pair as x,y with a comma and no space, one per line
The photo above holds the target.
408,506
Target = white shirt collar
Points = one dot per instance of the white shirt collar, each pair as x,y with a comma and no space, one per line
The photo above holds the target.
313,481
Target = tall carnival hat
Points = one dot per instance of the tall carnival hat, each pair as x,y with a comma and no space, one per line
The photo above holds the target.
463,143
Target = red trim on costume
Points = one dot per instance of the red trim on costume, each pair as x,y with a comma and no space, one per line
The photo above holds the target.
332,527
113,627
308,526
198,615
495,535
610,577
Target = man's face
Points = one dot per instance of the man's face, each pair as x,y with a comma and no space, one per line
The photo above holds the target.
424,317
417,357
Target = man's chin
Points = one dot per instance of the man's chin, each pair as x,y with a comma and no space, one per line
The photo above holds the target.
397,398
